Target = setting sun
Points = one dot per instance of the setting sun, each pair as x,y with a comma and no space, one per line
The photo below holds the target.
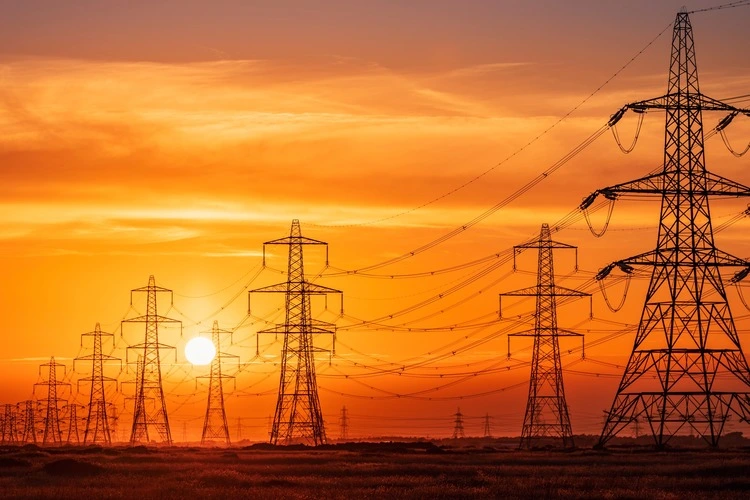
200,351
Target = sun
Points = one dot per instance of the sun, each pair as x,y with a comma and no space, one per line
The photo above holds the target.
200,351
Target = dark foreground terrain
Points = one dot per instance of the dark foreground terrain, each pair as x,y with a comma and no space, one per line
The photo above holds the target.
360,471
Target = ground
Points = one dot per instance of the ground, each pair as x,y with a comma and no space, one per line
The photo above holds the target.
370,470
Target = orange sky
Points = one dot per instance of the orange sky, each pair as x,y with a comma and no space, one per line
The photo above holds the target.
174,140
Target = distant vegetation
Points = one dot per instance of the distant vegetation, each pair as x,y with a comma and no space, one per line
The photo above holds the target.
370,470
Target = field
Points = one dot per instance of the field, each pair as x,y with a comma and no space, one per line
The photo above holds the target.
367,470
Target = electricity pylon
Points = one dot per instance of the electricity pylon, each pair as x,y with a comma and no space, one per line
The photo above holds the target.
52,433
97,423
686,338
458,425
113,418
215,425
149,385
29,409
298,417
487,432
344,424
73,423
8,425
546,409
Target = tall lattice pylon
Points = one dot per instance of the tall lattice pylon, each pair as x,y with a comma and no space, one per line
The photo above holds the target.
52,433
687,369
458,425
298,417
97,423
8,424
546,409
215,424
149,385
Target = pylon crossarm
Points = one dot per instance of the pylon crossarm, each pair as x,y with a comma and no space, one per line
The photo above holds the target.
295,240
666,257
649,184
717,185
536,244
310,288
150,318
157,345
296,330
685,101
557,291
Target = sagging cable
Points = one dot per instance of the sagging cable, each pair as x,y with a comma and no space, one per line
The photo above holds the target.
616,135
619,306
610,209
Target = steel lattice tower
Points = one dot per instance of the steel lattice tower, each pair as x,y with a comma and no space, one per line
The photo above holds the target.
298,417
215,425
52,433
30,408
73,423
686,338
8,425
487,432
546,409
149,383
97,423
344,424
458,425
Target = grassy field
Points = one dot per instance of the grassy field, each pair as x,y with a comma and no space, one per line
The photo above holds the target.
418,470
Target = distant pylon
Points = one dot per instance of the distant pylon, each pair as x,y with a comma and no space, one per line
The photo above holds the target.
8,424
52,432
458,425
215,424
344,424
113,417
97,423
298,417
687,369
73,423
149,386
487,432
29,409
546,409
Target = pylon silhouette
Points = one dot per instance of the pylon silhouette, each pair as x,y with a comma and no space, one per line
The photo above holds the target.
149,385
97,423
52,432
298,417
8,427
487,432
215,424
546,409
458,425
74,422
29,409
113,417
344,424
686,337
